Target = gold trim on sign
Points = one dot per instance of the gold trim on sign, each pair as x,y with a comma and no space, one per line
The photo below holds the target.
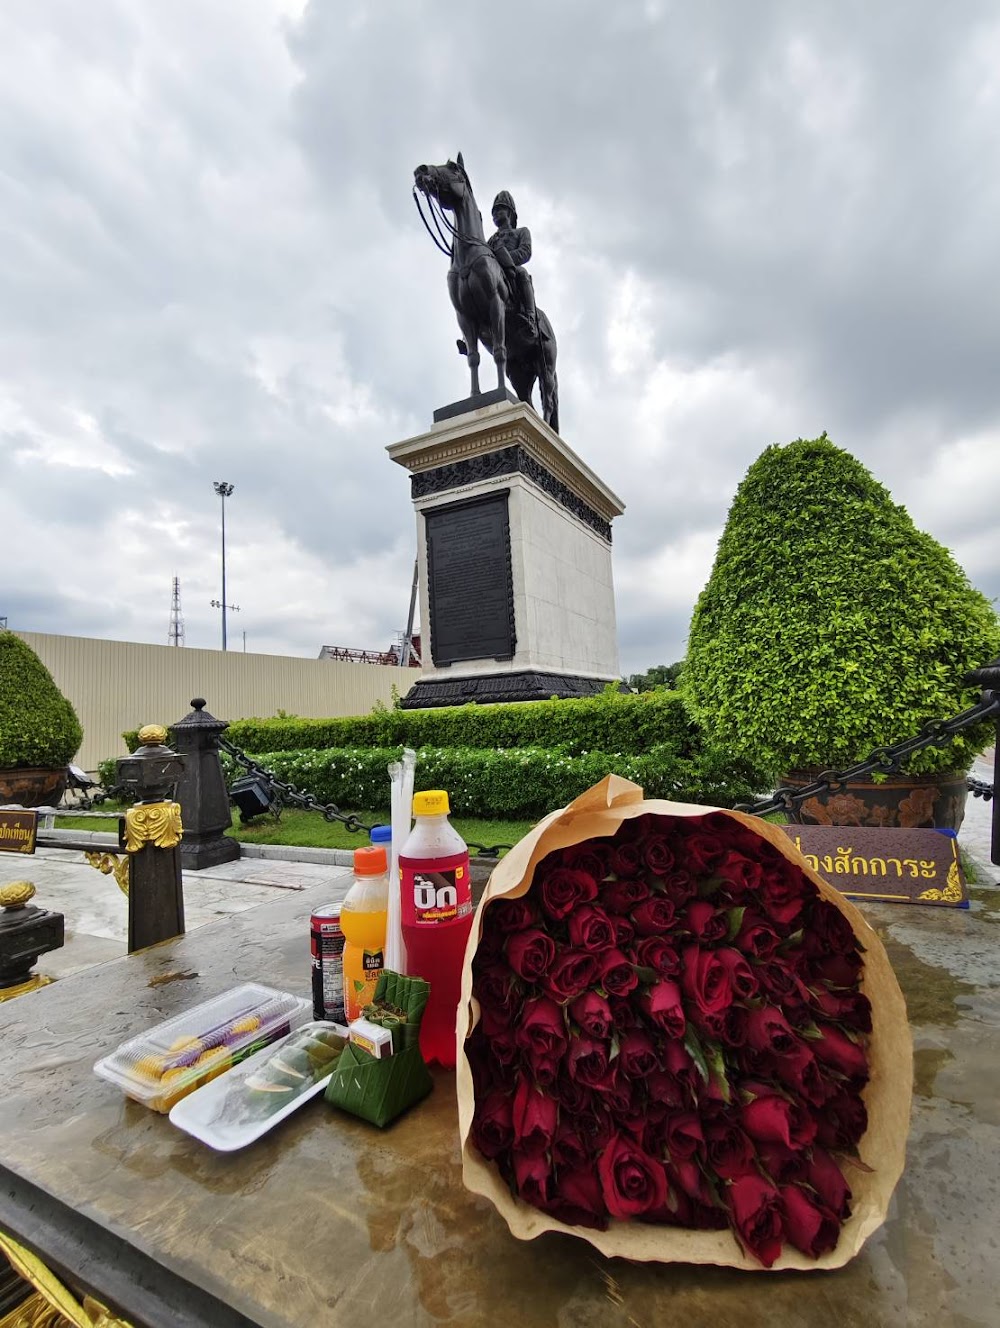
156,823
952,892
111,863
55,1305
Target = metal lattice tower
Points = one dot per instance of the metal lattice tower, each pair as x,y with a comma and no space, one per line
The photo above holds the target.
175,636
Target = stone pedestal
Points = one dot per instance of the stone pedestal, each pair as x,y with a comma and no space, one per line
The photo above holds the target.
201,791
514,554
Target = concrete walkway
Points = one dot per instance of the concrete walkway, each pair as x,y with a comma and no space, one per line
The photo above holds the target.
96,911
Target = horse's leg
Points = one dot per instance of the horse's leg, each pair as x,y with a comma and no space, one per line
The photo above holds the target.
522,379
498,330
468,326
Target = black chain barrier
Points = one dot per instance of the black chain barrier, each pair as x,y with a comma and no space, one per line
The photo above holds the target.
885,761
288,793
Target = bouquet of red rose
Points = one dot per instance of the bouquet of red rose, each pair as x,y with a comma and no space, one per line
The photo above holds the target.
681,1043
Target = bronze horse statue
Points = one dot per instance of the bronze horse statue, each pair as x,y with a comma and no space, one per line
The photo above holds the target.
483,301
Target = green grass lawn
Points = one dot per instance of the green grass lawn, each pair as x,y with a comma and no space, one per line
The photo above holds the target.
308,829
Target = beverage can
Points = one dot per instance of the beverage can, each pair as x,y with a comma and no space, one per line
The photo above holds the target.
326,939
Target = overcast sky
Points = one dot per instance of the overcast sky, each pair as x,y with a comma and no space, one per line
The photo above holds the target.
751,222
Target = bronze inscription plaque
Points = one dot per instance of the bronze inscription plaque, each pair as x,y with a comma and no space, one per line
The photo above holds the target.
897,866
18,831
469,583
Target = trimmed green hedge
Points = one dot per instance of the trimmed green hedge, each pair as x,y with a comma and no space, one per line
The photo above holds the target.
605,723
527,781
38,725
830,624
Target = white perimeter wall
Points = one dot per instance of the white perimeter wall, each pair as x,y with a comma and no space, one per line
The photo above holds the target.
118,685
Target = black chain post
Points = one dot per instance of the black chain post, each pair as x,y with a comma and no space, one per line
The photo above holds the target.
988,678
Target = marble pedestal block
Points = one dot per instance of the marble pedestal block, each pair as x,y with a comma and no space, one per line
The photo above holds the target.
514,555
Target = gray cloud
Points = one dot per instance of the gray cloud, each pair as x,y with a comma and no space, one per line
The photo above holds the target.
751,223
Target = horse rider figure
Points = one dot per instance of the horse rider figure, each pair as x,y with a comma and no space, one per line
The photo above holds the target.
512,246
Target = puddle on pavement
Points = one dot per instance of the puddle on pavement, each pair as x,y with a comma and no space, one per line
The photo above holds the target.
932,994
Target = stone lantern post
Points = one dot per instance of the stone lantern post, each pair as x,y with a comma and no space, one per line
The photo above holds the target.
202,791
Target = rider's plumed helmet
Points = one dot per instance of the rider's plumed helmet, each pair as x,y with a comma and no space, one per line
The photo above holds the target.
503,199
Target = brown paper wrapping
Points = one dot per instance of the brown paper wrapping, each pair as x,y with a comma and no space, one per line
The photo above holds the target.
600,811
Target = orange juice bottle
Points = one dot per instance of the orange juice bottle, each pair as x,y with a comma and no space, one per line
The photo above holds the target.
362,919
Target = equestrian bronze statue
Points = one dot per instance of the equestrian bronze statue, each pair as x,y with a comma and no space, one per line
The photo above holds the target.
491,291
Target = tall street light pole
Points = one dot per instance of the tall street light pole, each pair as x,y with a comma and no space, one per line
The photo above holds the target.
224,490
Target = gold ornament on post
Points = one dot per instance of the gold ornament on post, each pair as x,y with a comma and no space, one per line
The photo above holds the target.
156,823
110,864
16,895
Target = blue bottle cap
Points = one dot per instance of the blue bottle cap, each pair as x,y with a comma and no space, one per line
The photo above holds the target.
381,834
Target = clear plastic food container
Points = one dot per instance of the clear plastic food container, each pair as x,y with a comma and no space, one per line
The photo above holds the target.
239,1107
161,1066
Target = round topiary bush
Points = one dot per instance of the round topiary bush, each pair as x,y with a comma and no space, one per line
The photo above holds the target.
831,625
38,726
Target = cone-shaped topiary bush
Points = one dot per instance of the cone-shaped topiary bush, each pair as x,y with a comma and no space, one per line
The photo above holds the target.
38,726
830,624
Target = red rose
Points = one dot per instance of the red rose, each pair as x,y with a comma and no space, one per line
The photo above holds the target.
578,1199
756,936
679,886
567,1146
756,1210
624,932
828,931
730,1153
626,860
783,892
592,856
512,914
684,1135
632,1182
784,988
493,1124
654,952
623,1014
590,928
844,1120
810,1229
826,1178
533,1178
799,1071
503,1047
587,1060
686,1175
739,873
705,980
742,977
768,1030
564,889
597,1129
662,1002
535,1115
541,1034
656,853
572,973
772,1119
702,851
837,1050
637,1054
574,1098
679,1065
704,921
653,916
530,953
622,896
617,975
495,990
593,1013
727,1026
852,1009
782,1164
839,970
665,1093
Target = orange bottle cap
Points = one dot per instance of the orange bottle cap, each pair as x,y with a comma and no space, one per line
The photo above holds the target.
370,861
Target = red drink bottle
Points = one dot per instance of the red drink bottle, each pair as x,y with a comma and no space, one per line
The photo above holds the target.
436,912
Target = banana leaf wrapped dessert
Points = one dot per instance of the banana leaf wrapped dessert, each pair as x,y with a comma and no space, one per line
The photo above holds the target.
380,1090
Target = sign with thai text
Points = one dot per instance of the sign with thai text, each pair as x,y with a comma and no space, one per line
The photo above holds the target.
18,831
895,866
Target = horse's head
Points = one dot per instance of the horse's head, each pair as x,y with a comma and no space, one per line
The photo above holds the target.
448,183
